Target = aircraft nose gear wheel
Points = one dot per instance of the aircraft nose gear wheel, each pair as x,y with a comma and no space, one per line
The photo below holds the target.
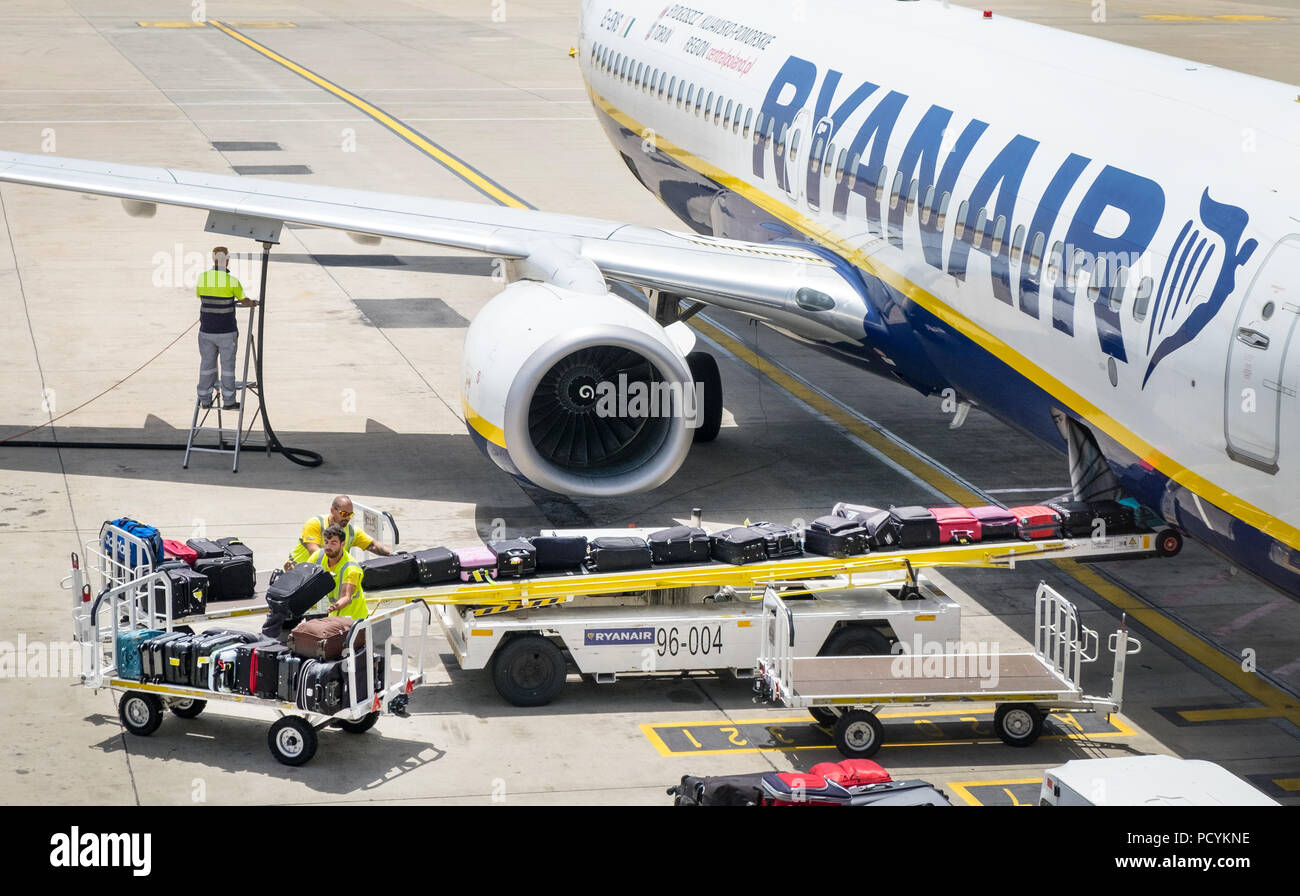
292,741
140,713
1018,724
858,734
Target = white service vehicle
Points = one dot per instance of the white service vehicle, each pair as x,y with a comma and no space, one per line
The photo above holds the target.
531,651
1146,781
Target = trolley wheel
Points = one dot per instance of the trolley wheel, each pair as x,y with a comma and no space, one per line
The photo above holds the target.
529,671
704,371
292,741
822,716
140,713
187,709
1168,542
364,724
858,734
1018,724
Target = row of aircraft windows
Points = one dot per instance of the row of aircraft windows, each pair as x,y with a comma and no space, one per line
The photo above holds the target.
844,169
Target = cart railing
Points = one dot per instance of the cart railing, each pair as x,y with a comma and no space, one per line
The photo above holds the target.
110,557
378,524
141,603
401,628
1060,638
776,646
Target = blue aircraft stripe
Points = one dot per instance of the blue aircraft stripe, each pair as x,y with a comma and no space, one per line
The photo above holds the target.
1187,279
1164,278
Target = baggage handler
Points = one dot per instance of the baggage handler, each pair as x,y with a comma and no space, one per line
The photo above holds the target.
347,598
309,542
219,292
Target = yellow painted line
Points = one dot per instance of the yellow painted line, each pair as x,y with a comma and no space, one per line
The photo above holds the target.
488,430
960,787
1249,18
416,139
186,24
1091,414
1289,784
1278,702
1231,715
1177,18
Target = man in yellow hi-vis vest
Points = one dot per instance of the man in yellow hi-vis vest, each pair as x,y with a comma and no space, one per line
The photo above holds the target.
347,598
219,292
341,513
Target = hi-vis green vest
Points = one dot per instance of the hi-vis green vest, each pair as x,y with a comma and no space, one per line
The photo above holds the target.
300,554
358,608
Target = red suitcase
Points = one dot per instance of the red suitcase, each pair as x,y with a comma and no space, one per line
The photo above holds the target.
179,550
1036,521
957,525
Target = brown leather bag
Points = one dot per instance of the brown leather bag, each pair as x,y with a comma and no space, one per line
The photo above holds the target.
323,639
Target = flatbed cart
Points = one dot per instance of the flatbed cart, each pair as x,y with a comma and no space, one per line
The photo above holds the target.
398,635
1028,686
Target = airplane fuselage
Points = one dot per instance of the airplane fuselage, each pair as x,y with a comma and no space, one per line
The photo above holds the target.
1035,220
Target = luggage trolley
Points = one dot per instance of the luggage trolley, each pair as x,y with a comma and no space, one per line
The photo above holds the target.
1029,686
137,606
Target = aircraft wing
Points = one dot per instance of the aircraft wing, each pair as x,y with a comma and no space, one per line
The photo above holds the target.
761,280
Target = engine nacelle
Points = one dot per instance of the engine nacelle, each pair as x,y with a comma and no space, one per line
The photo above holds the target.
578,393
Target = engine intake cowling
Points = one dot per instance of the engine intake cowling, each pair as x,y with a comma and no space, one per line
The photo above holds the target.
580,394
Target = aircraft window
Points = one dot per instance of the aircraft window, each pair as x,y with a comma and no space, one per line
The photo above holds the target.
853,170
1117,294
911,197
690,96
681,88
1055,261
726,118
655,83
880,182
1143,298
708,106
758,128
735,122
1036,252
927,206
981,226
771,128
699,100
839,166
1018,242
828,160
622,68
780,138
636,77
999,234
815,156
959,229
794,145
749,114
717,110
1095,281
943,211
1078,262
813,300
896,190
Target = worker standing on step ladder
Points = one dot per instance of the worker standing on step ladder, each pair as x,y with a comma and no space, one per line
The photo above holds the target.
219,292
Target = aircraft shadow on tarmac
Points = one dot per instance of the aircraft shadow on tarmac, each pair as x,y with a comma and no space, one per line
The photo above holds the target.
344,763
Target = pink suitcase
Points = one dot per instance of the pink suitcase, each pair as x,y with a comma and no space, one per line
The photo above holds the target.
957,525
1036,521
996,523
478,560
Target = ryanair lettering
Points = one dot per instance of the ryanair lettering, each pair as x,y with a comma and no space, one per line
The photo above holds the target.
595,637
1087,247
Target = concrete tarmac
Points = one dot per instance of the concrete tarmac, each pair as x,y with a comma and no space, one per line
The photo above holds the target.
362,364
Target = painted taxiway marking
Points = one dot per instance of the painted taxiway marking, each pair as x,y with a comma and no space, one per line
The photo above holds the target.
935,728
1012,792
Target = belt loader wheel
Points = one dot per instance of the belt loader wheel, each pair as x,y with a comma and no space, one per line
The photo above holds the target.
1168,543
361,726
529,671
1018,724
858,734
187,709
853,640
292,741
140,713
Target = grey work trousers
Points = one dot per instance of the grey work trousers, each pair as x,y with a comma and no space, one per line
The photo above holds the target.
214,346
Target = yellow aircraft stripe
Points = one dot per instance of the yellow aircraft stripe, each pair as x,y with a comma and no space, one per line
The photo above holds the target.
488,430
466,173
1091,414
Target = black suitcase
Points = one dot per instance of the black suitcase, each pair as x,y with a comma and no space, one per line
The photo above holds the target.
245,668
178,660
265,673
916,526
679,544
435,565
153,663
297,590
1076,517
516,558
233,547
780,541
394,571
205,645
723,790
320,686
189,591
289,668
557,552
882,535
741,544
614,553
1116,517
206,548
229,578
836,536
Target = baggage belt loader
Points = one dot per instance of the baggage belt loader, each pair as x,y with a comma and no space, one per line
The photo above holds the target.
1025,687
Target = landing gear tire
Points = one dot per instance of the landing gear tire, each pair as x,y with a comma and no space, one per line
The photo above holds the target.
187,709
529,671
858,734
1168,542
708,392
140,713
1018,724
292,741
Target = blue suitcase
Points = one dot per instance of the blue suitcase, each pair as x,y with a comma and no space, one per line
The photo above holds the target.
128,651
